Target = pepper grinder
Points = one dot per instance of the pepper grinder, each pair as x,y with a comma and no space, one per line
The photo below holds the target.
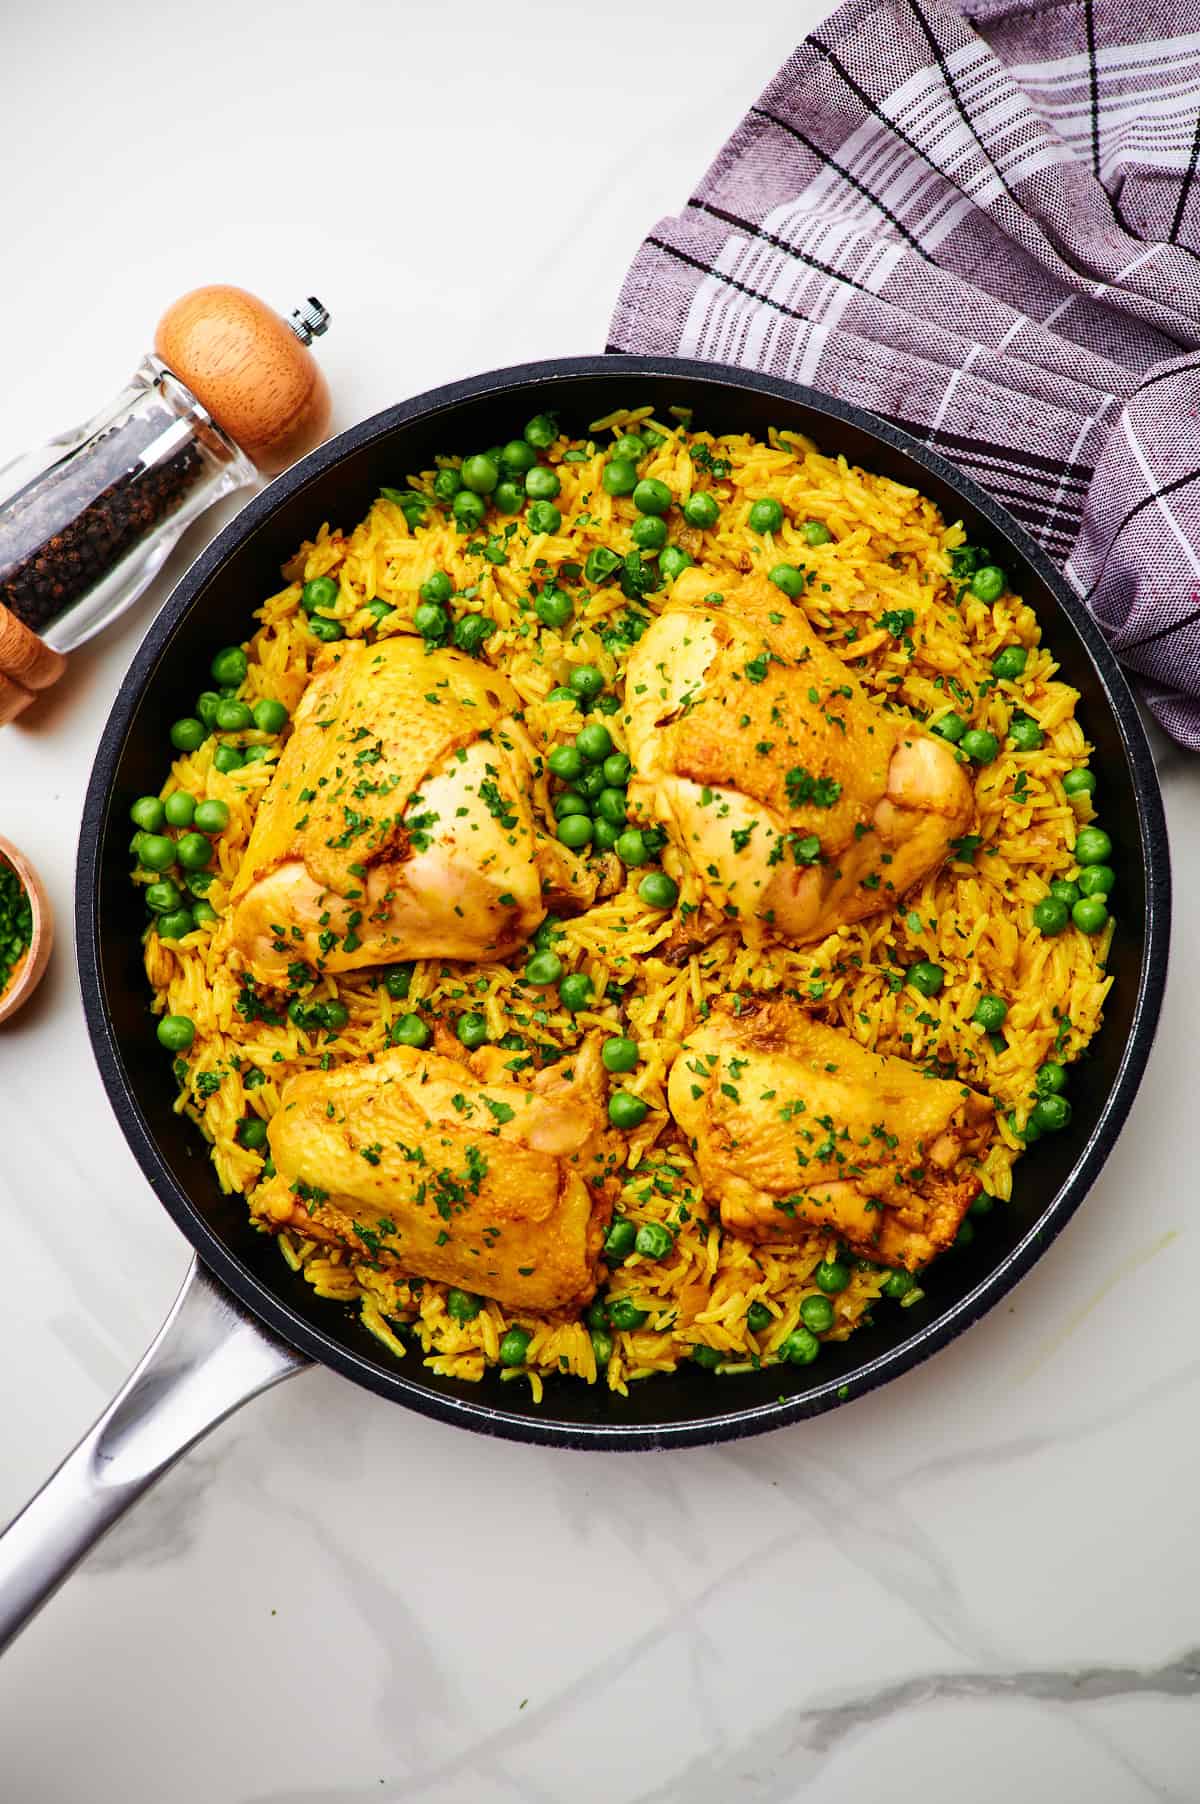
230,391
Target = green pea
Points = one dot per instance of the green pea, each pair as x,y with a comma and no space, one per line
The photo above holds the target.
1050,915
176,1032
625,1314
620,1240
149,813
566,762
570,802
575,991
509,496
1079,782
590,784
472,1030
409,1030
604,834
586,681
654,1240
625,1110
514,1346
990,1013
199,883
462,1305
817,1314
765,516
1009,663
554,607
193,851
602,1345
701,510
617,770
471,630
951,726
446,484
543,969
801,1347
897,1285
674,561
229,666
758,1318
983,1204
619,1054
543,516
204,914
631,446
517,456
156,852
708,1357
541,431
326,630
398,982
651,496
1029,1133
631,847
430,620
252,1132
234,717
832,1276
600,564
1051,1113
926,977
468,509
270,716
1025,733
594,742
189,734
206,708
815,532
1096,879
542,484
1090,914
965,1235
787,578
212,817
980,745
576,830
657,890
162,897
1092,846
610,807
480,474
437,587
1066,891
318,592
619,476
1051,1078
649,532
989,583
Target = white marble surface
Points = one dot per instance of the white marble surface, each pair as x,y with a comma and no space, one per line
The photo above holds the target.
980,1584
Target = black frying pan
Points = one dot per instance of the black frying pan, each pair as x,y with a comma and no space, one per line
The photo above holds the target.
243,1320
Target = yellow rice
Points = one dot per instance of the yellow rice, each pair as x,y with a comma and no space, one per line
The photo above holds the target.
890,550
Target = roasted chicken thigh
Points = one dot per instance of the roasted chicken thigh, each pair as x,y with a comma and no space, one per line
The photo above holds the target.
798,801
795,1125
399,824
451,1169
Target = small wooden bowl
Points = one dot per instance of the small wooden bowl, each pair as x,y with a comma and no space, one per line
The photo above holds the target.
27,974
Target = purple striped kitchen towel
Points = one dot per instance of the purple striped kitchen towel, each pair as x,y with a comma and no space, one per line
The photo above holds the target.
984,225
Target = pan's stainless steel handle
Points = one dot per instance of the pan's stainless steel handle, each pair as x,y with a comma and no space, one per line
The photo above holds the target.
209,1357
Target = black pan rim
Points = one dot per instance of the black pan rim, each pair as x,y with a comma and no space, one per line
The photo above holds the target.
724,1423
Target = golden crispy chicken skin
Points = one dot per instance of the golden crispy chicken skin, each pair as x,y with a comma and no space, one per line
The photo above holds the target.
795,1125
798,801
398,824
451,1169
